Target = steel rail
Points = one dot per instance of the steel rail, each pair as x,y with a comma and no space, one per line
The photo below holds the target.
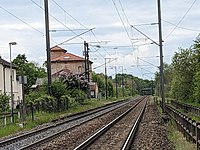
68,119
52,136
128,142
99,133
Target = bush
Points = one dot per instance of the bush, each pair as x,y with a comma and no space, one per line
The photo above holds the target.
46,103
58,90
79,95
4,102
65,102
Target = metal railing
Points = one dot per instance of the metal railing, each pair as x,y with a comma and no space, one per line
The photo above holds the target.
189,127
186,107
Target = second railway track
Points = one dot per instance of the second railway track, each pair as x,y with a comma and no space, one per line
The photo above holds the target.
46,134
119,133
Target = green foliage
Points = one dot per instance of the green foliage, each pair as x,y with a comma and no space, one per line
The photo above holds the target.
110,88
183,72
77,94
100,79
58,89
167,71
76,86
75,81
32,96
4,102
47,103
196,82
29,69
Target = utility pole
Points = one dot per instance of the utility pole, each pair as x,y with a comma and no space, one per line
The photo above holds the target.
85,49
161,58
48,46
122,82
87,66
116,81
106,79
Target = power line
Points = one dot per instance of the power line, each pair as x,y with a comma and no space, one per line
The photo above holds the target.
148,62
145,35
24,22
81,25
69,14
104,64
75,36
121,20
56,19
180,20
180,26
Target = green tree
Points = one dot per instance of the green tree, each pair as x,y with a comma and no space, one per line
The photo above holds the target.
196,79
167,72
183,72
76,86
4,102
29,69
58,90
100,79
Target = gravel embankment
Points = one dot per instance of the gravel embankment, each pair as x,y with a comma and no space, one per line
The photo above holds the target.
152,132
114,138
77,135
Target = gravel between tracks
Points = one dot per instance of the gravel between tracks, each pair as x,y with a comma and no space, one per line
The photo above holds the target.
114,138
152,134
78,134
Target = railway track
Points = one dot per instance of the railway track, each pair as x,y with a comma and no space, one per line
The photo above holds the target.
119,133
34,138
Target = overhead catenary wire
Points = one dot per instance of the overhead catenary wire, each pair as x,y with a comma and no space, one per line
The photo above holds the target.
25,22
147,62
122,20
82,26
180,20
180,27
56,19
145,35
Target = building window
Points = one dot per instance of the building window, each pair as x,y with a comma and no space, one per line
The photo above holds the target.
79,69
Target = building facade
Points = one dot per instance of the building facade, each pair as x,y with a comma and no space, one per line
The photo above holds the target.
5,83
62,61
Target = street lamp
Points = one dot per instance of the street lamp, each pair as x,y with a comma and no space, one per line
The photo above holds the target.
11,84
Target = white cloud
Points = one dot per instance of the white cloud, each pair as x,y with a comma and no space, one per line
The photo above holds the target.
103,16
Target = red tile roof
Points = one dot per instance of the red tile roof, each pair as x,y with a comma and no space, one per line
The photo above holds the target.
57,48
68,57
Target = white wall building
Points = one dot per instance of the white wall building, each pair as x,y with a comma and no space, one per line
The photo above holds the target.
5,84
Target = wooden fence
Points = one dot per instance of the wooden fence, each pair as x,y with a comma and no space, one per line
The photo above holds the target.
6,118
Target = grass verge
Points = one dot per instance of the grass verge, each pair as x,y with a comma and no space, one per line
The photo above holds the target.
178,139
44,117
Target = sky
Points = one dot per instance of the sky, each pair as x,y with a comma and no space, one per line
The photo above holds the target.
112,40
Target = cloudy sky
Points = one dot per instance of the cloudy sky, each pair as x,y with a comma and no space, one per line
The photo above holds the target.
113,38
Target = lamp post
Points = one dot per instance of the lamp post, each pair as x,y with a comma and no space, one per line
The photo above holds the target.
11,84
